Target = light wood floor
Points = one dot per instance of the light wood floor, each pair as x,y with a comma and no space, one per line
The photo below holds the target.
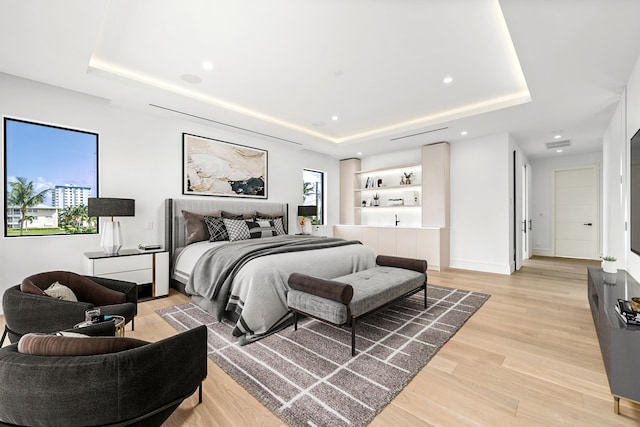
529,356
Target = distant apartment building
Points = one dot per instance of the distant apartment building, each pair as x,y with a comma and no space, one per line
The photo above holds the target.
64,196
43,216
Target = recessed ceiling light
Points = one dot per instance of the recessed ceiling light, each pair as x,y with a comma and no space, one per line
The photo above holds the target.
334,118
464,132
207,65
557,136
447,80
559,150
191,78
359,153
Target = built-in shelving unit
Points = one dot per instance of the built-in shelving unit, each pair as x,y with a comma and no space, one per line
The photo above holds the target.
415,230
388,184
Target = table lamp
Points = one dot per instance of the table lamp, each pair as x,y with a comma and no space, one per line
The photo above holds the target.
306,211
111,240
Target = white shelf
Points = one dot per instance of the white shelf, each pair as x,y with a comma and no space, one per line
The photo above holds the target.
390,187
391,169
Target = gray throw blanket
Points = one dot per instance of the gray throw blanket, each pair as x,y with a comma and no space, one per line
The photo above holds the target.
214,272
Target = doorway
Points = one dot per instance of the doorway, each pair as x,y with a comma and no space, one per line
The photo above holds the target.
521,210
576,225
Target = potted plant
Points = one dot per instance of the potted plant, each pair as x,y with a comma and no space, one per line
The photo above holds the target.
609,264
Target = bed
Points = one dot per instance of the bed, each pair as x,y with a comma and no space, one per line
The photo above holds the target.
244,280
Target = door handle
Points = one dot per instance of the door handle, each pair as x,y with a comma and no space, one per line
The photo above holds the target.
529,225
589,224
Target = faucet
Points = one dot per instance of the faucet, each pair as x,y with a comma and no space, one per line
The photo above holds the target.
397,220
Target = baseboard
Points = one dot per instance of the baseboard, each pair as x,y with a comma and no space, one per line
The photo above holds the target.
543,252
481,266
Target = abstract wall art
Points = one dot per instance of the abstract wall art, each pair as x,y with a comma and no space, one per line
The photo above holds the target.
217,168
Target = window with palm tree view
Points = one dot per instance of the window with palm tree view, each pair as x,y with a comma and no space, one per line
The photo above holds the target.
50,173
313,193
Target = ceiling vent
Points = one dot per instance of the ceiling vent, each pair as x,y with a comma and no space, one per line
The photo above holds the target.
420,133
558,144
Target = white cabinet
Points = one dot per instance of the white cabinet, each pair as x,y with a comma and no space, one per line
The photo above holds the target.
132,266
430,243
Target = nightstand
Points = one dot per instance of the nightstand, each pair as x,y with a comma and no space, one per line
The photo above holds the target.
150,270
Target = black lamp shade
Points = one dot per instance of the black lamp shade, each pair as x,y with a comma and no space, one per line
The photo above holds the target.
102,206
307,210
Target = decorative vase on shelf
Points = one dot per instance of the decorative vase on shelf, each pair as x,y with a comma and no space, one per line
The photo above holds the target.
306,229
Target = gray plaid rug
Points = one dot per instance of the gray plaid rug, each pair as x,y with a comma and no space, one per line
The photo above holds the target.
308,377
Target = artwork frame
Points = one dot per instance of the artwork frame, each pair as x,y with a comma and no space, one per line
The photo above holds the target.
212,167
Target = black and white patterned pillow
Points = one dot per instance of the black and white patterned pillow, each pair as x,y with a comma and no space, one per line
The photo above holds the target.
277,224
237,229
217,229
261,228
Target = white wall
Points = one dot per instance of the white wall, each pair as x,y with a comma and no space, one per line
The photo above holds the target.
140,157
542,195
480,204
614,155
632,126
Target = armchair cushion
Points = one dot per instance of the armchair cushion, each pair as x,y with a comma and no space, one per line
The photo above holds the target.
59,291
85,289
54,345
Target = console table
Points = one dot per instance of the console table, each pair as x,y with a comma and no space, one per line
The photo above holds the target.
619,342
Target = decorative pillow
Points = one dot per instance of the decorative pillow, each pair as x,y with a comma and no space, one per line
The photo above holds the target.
217,230
261,228
196,228
53,345
278,224
231,215
60,291
237,229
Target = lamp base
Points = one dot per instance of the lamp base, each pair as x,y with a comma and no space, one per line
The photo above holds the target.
111,240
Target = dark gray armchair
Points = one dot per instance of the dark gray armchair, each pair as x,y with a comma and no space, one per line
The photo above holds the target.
140,386
27,309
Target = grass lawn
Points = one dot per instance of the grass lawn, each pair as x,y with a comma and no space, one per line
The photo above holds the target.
34,231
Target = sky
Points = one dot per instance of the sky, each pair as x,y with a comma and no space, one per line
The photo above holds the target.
50,156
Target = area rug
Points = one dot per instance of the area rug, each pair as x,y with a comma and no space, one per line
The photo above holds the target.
308,377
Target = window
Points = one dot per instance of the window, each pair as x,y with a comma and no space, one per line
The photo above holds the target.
50,172
313,191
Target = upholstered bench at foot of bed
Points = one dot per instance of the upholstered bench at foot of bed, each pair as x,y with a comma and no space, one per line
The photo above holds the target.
345,299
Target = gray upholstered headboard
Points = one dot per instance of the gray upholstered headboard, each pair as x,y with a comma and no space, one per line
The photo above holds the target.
174,222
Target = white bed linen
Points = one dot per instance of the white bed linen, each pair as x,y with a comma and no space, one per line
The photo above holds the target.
187,258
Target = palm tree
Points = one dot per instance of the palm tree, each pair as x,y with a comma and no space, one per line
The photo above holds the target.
73,218
23,194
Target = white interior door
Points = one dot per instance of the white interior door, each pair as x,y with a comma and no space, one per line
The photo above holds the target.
576,201
526,218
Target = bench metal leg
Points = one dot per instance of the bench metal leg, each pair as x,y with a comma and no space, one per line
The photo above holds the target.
200,394
353,337
295,320
425,295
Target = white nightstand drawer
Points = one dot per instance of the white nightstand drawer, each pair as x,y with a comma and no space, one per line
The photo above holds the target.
137,276
107,266
132,266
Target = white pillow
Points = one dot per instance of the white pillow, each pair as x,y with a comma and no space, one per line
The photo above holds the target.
60,291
